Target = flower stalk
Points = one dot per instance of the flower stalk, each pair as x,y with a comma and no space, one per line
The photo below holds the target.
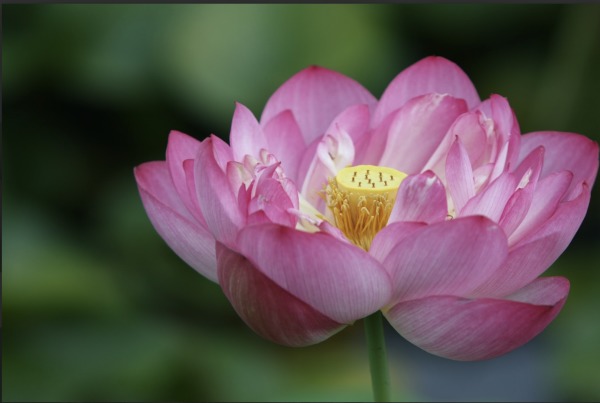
378,364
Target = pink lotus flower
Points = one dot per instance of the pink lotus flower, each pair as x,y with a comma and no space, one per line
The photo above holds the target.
428,205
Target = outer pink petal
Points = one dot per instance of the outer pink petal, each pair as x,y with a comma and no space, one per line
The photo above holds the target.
478,329
565,151
430,75
315,96
267,308
285,142
535,253
420,198
190,241
448,258
418,129
247,137
217,201
337,279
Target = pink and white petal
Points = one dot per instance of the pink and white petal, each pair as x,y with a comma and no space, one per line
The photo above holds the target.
433,74
449,258
315,96
565,151
221,152
217,200
459,175
422,198
181,147
479,329
285,141
334,152
337,279
353,120
492,200
188,239
548,193
418,129
469,128
267,308
273,200
506,126
390,236
247,137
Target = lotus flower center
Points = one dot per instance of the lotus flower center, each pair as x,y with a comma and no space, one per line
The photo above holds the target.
361,199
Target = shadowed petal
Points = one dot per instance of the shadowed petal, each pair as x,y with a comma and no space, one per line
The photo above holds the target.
338,279
315,96
267,308
433,74
478,329
188,239
448,258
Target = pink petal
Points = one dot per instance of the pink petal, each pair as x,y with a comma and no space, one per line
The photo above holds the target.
459,175
285,141
491,202
430,75
531,256
216,199
188,239
247,137
337,279
447,258
420,198
315,96
565,151
418,129
478,329
267,308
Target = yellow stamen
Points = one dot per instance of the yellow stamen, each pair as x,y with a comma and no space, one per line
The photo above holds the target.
361,205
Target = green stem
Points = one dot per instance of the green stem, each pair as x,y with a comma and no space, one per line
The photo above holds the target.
380,378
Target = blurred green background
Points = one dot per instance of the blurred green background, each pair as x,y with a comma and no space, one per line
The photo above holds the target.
97,308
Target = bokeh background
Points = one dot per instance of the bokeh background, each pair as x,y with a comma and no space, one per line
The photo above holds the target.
97,308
